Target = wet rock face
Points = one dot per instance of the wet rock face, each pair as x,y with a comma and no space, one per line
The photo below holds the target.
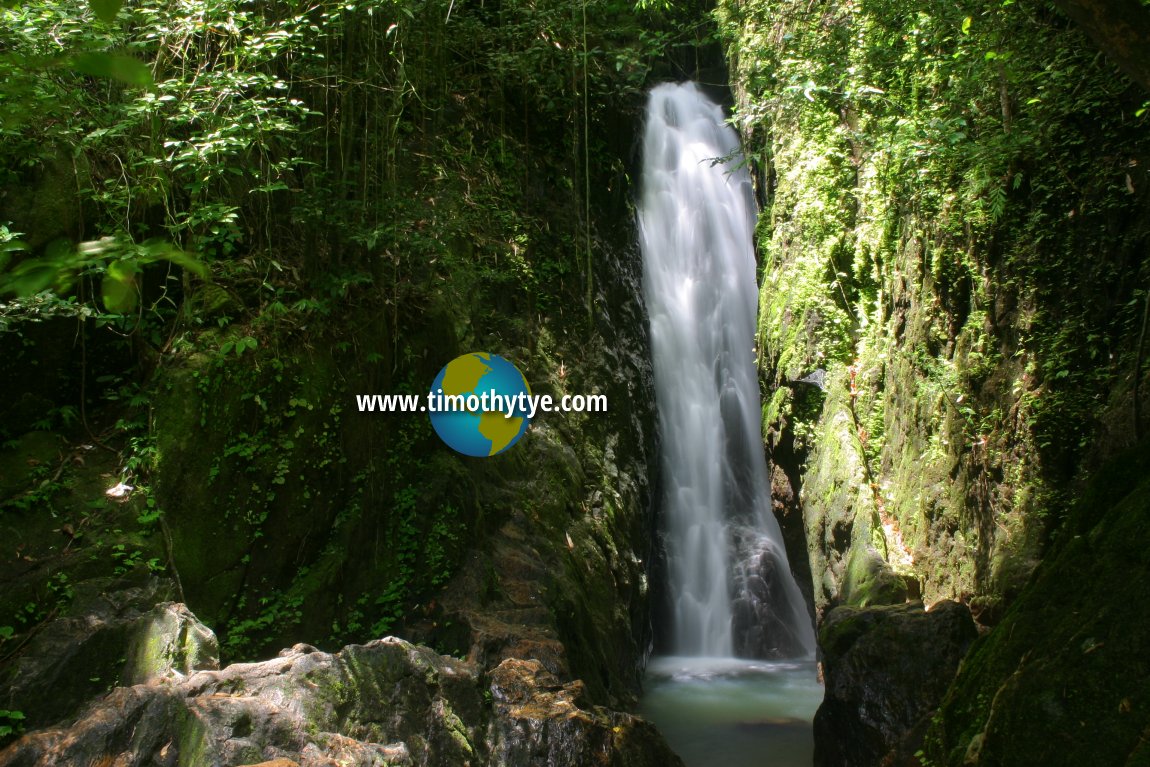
886,670
538,720
760,625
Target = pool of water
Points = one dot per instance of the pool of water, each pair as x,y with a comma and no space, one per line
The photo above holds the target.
734,712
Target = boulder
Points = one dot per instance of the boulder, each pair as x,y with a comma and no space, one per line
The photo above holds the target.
169,639
886,670
387,702
81,654
869,580
539,720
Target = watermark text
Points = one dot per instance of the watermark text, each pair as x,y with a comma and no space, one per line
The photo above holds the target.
520,405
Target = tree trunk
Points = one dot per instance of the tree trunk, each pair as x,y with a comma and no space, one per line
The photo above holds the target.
1120,28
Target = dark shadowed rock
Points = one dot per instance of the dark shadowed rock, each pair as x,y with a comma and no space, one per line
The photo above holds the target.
82,653
1064,679
761,624
886,670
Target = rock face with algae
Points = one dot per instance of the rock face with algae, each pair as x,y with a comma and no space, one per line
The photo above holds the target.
533,566
1064,679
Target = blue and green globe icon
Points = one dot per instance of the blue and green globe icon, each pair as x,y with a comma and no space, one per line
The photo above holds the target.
478,404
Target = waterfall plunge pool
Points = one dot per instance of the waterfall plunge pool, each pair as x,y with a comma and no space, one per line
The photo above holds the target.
732,711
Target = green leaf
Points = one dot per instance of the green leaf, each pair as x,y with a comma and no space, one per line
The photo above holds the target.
966,25
181,258
116,66
118,288
106,10
158,249
29,278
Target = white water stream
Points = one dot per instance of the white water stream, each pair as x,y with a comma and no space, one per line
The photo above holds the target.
731,591
731,585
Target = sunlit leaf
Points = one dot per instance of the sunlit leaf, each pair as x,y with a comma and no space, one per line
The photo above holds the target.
160,249
123,270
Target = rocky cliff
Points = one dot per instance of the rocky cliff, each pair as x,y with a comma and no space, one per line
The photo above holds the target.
952,311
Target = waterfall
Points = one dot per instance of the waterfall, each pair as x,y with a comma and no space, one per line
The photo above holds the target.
731,588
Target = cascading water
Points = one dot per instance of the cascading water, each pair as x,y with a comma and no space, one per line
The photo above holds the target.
731,588
732,591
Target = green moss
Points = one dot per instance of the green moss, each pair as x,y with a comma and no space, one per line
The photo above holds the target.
152,656
1063,680
925,237
192,742
870,581
284,484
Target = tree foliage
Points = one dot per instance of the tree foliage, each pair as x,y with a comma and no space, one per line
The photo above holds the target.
216,190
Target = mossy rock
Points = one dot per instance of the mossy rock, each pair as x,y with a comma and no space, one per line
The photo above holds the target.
1064,679
886,669
169,638
869,580
272,484
81,653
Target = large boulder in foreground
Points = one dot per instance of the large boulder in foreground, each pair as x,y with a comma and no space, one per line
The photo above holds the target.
387,702
886,670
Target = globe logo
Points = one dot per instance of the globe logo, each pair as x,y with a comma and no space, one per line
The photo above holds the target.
478,404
